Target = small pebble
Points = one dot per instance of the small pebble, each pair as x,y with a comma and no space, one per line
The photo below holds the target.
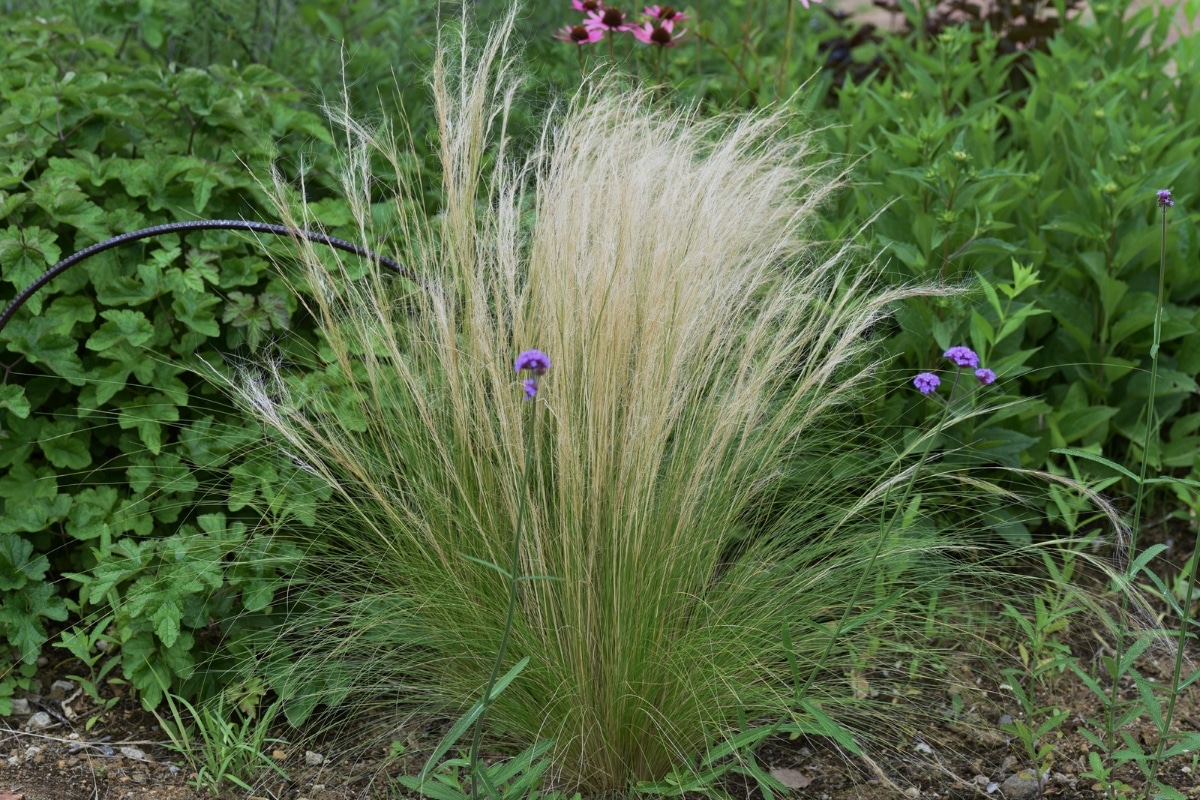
134,753
21,707
39,721
60,689
1023,785
313,759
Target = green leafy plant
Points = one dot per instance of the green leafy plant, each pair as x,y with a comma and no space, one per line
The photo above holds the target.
219,750
517,778
1042,653
119,462
90,648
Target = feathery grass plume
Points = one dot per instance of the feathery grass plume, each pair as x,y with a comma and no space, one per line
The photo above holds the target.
699,482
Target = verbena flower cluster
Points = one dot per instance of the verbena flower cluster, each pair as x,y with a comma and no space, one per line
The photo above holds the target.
534,361
1164,198
961,357
656,25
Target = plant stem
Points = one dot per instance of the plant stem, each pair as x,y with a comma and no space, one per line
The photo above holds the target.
885,530
514,567
1111,712
787,48
1187,598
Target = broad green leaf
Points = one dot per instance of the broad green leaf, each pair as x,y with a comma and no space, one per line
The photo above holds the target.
19,618
18,565
89,511
123,325
25,253
65,446
13,398
146,414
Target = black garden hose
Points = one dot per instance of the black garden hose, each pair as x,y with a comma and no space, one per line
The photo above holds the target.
194,225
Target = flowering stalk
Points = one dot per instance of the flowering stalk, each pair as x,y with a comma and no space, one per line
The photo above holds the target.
1165,202
536,362
926,383
1110,717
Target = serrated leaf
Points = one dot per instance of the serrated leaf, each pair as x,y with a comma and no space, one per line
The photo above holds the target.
64,312
25,253
34,338
20,618
18,566
166,619
64,446
147,414
123,325
12,397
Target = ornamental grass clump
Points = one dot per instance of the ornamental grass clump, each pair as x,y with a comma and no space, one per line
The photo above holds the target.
700,502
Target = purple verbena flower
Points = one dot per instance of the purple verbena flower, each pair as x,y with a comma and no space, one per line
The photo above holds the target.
535,361
962,356
1164,198
927,382
985,376
531,388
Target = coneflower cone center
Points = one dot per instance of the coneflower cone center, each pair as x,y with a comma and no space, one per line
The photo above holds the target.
613,18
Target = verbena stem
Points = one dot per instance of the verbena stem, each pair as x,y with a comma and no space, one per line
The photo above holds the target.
1186,605
1111,712
514,568
885,530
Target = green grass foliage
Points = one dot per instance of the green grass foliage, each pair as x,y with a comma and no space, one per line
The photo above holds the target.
706,522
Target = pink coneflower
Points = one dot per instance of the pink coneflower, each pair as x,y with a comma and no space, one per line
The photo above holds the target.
579,34
661,35
587,5
665,15
607,19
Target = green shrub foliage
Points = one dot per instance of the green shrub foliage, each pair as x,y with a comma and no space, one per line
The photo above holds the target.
1031,177
127,484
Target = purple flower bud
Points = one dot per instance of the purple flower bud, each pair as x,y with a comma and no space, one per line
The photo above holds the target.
986,376
962,356
1164,198
530,385
535,361
927,382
